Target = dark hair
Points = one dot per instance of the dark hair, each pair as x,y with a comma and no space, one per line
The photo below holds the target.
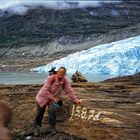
52,71
63,69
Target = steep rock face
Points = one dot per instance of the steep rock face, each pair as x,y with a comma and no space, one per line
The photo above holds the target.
46,24
68,29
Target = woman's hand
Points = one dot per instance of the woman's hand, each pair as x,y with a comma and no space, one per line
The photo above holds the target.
78,101
55,100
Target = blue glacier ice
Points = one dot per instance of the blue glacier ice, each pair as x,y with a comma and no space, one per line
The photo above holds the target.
117,58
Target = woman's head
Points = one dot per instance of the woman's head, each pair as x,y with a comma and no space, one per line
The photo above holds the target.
61,72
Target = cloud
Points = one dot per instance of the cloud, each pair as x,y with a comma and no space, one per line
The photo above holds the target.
22,6
20,9
83,4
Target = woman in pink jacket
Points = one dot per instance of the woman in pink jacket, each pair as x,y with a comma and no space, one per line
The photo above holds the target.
50,94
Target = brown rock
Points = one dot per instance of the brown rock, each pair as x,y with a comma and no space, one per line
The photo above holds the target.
110,110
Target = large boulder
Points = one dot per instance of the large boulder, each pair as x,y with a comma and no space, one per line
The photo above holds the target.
78,77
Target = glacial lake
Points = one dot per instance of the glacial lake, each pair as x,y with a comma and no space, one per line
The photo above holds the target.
38,78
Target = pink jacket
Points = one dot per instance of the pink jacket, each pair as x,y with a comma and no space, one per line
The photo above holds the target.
52,88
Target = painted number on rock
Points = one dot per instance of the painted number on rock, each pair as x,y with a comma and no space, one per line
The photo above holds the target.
84,113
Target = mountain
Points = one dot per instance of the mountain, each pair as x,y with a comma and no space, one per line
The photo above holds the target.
40,35
41,25
116,58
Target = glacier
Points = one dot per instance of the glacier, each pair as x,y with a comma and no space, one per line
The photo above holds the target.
117,58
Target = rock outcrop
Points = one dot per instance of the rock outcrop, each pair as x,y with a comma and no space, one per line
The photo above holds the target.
78,77
110,110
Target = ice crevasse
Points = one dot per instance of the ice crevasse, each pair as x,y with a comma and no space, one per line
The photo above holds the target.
116,58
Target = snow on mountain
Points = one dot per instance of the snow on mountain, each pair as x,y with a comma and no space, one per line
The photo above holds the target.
116,58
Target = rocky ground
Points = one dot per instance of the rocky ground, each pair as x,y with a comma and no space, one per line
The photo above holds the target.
110,111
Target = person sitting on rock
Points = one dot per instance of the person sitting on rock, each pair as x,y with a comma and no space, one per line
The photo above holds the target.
50,94
77,77
74,78
78,73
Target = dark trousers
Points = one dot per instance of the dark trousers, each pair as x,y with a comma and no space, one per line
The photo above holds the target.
40,113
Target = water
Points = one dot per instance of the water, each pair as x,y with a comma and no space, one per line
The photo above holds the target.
38,78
